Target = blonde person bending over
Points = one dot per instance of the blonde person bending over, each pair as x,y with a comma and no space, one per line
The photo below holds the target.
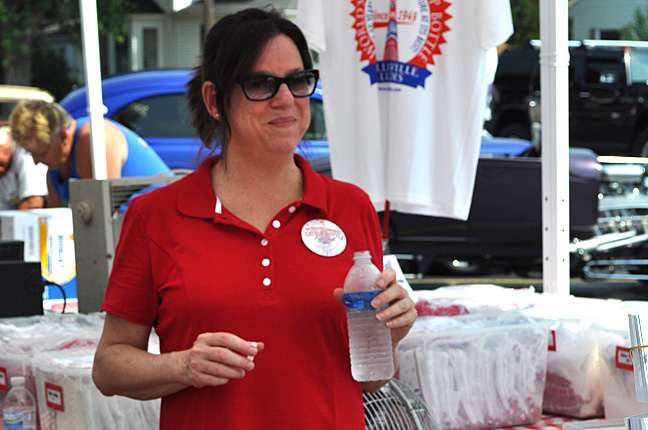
62,143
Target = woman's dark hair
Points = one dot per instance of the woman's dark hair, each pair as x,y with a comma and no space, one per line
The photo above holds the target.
232,47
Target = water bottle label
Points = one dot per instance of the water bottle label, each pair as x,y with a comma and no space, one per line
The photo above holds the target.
13,419
359,302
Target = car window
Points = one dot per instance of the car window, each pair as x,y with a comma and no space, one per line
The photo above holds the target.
639,66
5,110
159,116
516,66
601,72
317,128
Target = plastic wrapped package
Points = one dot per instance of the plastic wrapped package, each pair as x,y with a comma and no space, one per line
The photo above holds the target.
573,386
14,365
475,298
638,324
27,335
477,371
68,399
637,422
23,337
597,424
617,377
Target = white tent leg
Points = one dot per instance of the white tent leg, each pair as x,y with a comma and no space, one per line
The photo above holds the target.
92,70
554,81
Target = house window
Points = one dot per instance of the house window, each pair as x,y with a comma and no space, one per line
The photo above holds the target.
150,37
609,35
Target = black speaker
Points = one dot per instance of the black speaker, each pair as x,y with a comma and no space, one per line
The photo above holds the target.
12,250
21,289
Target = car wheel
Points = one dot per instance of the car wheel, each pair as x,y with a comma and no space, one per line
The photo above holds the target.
516,129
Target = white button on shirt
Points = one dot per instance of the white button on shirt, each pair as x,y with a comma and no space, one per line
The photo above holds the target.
265,262
264,242
267,282
276,223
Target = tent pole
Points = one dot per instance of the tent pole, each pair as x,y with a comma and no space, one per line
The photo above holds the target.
92,71
554,63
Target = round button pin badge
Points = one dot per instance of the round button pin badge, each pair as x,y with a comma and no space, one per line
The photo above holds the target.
323,237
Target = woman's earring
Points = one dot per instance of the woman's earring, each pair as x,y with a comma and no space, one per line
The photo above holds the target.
217,115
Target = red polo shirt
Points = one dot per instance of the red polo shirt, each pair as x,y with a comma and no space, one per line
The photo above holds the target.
186,266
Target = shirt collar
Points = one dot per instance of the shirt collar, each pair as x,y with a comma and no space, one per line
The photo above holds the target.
196,196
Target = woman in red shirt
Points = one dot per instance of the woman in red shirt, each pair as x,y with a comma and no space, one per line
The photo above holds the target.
230,264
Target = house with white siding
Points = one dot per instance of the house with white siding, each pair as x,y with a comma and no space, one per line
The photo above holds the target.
601,19
164,34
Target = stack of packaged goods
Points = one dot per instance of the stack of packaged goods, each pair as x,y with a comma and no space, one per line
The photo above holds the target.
55,353
68,399
23,337
477,371
574,386
463,356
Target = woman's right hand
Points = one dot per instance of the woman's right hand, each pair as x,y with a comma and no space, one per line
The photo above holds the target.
124,367
215,358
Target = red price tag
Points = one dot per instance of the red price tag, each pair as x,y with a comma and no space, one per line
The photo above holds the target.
54,397
552,340
623,359
4,379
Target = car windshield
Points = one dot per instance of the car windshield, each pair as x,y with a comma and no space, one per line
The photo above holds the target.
5,110
639,66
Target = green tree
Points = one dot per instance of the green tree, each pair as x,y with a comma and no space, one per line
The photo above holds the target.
50,72
526,22
23,24
637,29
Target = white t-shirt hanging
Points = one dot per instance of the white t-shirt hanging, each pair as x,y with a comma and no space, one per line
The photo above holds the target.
404,123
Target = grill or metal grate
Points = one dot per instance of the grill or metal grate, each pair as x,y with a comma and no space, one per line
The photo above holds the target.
396,407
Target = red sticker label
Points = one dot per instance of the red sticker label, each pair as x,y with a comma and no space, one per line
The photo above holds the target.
552,340
623,359
4,379
54,397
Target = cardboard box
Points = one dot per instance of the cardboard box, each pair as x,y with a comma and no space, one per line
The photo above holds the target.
58,263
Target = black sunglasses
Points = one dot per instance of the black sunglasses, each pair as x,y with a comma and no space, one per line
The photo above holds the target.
259,87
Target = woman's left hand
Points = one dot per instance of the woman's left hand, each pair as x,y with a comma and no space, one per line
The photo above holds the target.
400,314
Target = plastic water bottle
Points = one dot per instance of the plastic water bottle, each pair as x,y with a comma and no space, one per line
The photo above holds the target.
19,407
369,339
